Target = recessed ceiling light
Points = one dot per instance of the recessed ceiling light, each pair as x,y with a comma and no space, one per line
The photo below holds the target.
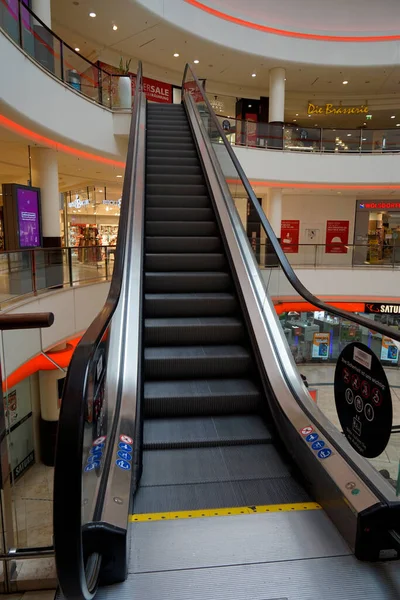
119,175
393,117
345,82
115,27
254,74
196,62
364,123
100,190
77,49
309,116
294,120
92,14
349,135
176,55
297,114
398,125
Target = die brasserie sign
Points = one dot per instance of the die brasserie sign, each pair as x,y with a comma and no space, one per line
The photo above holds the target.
331,109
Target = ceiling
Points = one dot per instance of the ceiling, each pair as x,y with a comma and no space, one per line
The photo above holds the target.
340,17
143,35
73,172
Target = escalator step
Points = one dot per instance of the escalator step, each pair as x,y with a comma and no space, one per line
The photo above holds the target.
183,281
201,397
174,169
190,161
202,330
170,127
182,228
190,305
179,214
169,498
176,189
185,262
182,244
169,144
181,179
176,155
190,362
178,201
196,432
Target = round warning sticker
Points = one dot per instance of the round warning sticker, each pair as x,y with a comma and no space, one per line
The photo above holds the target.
126,439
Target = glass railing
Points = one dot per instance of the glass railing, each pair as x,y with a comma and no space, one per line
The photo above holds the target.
32,271
58,58
314,339
308,139
331,255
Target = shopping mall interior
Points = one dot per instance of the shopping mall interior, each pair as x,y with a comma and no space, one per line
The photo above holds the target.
199,309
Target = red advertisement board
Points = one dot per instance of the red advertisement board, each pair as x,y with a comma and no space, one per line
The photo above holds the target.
156,91
290,231
251,132
337,237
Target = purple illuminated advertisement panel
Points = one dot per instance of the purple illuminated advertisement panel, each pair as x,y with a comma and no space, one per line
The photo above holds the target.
28,218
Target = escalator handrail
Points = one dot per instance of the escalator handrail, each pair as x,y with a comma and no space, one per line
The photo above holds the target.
384,330
67,518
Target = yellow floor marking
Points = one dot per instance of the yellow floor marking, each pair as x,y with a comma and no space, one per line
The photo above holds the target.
222,512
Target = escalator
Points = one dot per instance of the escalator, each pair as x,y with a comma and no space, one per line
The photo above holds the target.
209,441
183,465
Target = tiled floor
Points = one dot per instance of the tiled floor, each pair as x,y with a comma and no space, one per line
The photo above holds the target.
320,377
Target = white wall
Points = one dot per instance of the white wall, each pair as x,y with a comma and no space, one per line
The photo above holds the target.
301,167
74,309
35,99
274,47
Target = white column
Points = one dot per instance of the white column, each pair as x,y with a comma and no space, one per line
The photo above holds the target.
45,176
276,95
275,210
42,9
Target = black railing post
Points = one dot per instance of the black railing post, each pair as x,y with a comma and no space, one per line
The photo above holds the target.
21,37
62,61
70,275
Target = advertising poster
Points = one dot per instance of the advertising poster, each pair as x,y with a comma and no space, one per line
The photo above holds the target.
28,218
156,91
389,350
320,346
337,237
290,231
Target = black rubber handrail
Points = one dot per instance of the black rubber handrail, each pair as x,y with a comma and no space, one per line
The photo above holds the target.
281,256
69,449
26,321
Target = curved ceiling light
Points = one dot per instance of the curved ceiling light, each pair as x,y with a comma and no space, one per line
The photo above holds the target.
296,34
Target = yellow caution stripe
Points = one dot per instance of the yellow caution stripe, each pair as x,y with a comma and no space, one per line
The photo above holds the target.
222,512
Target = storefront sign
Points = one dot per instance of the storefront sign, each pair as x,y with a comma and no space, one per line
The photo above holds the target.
337,237
381,308
363,400
379,205
112,202
331,109
320,347
389,351
290,231
78,203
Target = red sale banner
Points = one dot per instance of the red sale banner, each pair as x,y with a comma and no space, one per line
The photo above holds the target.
251,133
337,237
290,231
156,91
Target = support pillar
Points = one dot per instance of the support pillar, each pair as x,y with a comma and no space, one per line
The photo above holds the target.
274,215
276,110
45,177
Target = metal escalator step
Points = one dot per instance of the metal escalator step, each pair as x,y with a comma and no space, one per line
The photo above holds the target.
174,169
197,496
178,117
193,330
208,465
190,305
165,108
196,432
167,125
190,244
183,161
178,201
183,281
176,189
182,228
200,397
179,214
182,179
185,262
177,154
168,143
191,362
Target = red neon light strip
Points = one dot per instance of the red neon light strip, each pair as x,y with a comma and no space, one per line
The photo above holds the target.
294,34
49,143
